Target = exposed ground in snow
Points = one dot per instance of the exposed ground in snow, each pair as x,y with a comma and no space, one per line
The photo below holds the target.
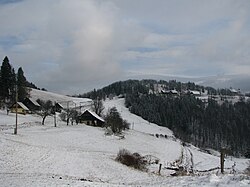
81,155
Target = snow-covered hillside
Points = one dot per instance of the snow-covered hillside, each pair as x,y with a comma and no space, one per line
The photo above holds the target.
62,99
82,155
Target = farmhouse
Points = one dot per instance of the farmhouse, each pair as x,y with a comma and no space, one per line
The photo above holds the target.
194,92
90,118
234,92
31,104
21,108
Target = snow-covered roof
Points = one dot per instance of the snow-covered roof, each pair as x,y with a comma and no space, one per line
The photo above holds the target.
174,91
233,90
169,91
60,105
22,105
95,115
164,91
34,102
194,92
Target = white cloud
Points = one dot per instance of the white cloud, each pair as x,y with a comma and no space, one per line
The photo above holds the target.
78,37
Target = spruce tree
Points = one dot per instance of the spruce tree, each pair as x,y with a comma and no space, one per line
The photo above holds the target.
7,81
1,85
21,85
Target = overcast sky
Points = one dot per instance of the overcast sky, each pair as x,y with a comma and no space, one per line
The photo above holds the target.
73,46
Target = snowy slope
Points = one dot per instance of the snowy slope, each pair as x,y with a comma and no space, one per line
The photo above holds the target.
82,155
62,99
137,123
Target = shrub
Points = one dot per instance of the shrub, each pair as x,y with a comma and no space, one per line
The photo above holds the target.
108,131
115,122
247,153
126,124
247,171
134,160
63,116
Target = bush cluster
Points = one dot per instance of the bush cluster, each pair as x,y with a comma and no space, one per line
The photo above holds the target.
134,160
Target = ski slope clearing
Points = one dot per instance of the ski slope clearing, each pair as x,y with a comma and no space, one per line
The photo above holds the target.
82,155
137,123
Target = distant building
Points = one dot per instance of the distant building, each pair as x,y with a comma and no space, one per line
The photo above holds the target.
158,88
150,91
21,108
58,107
31,104
170,92
90,118
194,92
234,91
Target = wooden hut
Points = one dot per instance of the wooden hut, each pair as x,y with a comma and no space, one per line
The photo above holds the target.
90,118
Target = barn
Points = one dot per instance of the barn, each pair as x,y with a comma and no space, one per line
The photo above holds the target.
31,104
90,118
21,108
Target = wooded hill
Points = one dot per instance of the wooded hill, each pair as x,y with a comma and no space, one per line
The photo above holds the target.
206,125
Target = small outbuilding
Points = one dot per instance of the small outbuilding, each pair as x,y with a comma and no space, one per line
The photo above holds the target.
91,118
58,107
21,108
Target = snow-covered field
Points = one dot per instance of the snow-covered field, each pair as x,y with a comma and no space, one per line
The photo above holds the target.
73,102
82,155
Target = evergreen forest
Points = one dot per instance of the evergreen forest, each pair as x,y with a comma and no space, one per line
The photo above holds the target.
206,125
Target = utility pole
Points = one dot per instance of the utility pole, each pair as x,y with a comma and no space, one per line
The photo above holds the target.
68,112
15,129
159,171
55,114
222,159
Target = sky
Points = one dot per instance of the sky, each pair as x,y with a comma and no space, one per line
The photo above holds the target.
75,46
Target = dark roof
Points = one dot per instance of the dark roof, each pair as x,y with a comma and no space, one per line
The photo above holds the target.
94,115
33,101
59,105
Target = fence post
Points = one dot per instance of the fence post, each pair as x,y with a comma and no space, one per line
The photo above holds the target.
222,160
159,169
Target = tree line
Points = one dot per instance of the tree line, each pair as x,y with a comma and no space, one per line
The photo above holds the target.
206,125
144,86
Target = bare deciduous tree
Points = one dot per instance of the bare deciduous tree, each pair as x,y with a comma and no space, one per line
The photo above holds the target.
97,106
46,109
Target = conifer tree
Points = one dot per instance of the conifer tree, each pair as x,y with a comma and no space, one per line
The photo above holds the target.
21,85
1,85
8,81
